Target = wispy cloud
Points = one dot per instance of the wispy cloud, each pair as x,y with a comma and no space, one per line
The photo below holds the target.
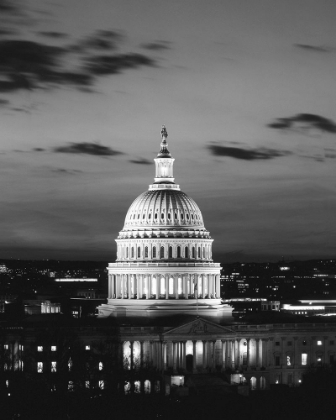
304,122
314,48
141,161
157,45
87,149
4,102
66,171
261,153
53,34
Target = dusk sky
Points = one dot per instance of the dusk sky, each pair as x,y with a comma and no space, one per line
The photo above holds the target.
246,89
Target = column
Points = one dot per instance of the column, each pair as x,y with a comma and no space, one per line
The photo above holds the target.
176,286
204,354
217,287
213,354
167,286
187,285
195,286
203,286
174,356
165,354
148,286
226,360
257,352
194,355
248,352
109,295
232,354
117,286
132,366
129,289
157,286
184,345
142,355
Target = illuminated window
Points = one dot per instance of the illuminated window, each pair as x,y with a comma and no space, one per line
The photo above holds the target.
101,384
53,348
70,364
39,367
304,359
100,366
39,348
147,387
70,386
170,252
6,346
21,347
154,252
87,347
7,383
87,384
288,361
319,342
162,252
53,366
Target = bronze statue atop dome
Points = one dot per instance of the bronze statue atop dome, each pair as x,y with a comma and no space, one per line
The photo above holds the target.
164,133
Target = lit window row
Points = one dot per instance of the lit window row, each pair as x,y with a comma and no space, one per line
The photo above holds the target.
161,252
52,348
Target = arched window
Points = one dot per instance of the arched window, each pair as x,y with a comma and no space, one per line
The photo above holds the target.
139,252
149,216
155,217
193,252
146,252
186,252
154,252
199,252
162,215
168,216
178,252
162,252
132,252
170,252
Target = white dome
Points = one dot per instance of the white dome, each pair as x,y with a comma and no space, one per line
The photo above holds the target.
163,209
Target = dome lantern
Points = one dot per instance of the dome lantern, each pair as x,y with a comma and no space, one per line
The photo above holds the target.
164,162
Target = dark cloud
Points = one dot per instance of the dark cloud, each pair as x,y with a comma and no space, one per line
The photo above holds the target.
53,34
315,48
7,6
304,122
141,161
29,65
115,64
4,31
261,153
157,46
4,102
88,149
67,171
38,149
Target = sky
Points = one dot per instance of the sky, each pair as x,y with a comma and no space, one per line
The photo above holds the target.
246,89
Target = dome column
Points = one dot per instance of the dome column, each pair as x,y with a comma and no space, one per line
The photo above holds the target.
167,285
148,286
129,286
158,278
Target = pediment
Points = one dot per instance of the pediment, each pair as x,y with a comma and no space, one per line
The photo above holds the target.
198,326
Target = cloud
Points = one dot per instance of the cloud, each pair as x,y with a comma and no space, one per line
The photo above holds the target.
261,153
100,40
157,46
304,122
315,48
53,34
38,149
141,161
88,149
30,65
67,171
4,102
7,6
115,64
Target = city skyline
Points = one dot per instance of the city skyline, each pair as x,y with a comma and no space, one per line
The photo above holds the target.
246,92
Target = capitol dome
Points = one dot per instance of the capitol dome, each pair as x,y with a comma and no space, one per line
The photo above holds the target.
164,207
